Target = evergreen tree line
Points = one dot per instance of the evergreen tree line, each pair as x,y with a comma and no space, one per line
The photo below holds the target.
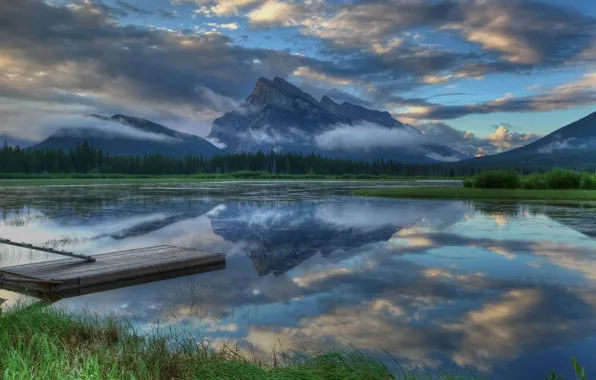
85,159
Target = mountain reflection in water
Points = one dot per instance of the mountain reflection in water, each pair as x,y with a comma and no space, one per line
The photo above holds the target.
506,289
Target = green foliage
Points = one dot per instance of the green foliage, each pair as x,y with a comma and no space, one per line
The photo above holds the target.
556,179
588,182
38,342
562,179
85,160
438,192
496,179
534,181
42,342
579,372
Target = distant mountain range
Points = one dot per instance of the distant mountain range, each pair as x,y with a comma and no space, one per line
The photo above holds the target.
135,136
13,141
571,146
279,116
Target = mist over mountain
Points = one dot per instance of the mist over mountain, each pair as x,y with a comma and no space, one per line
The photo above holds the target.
279,116
127,135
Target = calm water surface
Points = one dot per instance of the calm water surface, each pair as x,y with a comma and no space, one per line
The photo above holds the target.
503,289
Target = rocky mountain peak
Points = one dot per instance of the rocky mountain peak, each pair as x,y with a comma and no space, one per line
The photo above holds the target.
285,118
277,93
328,103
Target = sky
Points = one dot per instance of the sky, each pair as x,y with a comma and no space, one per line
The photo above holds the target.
481,76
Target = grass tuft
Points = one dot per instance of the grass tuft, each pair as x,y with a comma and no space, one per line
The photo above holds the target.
42,342
47,343
475,193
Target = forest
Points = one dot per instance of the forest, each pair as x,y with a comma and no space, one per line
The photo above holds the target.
86,159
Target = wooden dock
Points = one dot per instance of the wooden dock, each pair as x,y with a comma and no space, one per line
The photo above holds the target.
70,277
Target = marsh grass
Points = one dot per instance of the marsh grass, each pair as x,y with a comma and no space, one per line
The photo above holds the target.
562,196
64,241
93,179
45,343
556,179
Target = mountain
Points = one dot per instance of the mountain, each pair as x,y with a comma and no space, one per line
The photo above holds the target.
279,237
127,135
279,116
571,146
15,141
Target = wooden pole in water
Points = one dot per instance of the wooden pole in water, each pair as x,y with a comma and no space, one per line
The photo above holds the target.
50,250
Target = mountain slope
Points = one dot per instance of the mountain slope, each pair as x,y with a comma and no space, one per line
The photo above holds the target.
571,146
14,141
127,135
279,116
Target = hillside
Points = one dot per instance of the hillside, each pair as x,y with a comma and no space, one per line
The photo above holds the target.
126,135
573,145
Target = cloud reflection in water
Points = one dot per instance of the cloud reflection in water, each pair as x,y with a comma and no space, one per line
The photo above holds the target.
436,281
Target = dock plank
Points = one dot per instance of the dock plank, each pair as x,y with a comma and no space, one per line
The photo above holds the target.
59,262
111,267
69,268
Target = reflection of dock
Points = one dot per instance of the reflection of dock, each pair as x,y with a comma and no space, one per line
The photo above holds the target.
70,277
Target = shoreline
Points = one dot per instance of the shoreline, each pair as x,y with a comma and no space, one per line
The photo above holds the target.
42,341
124,180
463,193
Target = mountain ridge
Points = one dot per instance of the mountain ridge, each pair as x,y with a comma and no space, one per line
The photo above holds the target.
278,115
142,136
566,146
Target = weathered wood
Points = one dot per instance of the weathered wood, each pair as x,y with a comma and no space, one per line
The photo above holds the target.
70,275
29,281
50,250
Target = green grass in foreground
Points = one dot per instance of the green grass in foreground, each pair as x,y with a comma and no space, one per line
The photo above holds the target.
40,342
475,193
45,343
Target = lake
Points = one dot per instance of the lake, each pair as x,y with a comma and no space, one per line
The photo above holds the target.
505,289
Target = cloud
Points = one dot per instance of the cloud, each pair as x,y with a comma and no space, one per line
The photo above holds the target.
579,93
271,136
229,26
371,26
575,143
525,32
369,136
73,124
79,56
521,33
466,142
216,142
164,13
223,8
132,8
365,135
